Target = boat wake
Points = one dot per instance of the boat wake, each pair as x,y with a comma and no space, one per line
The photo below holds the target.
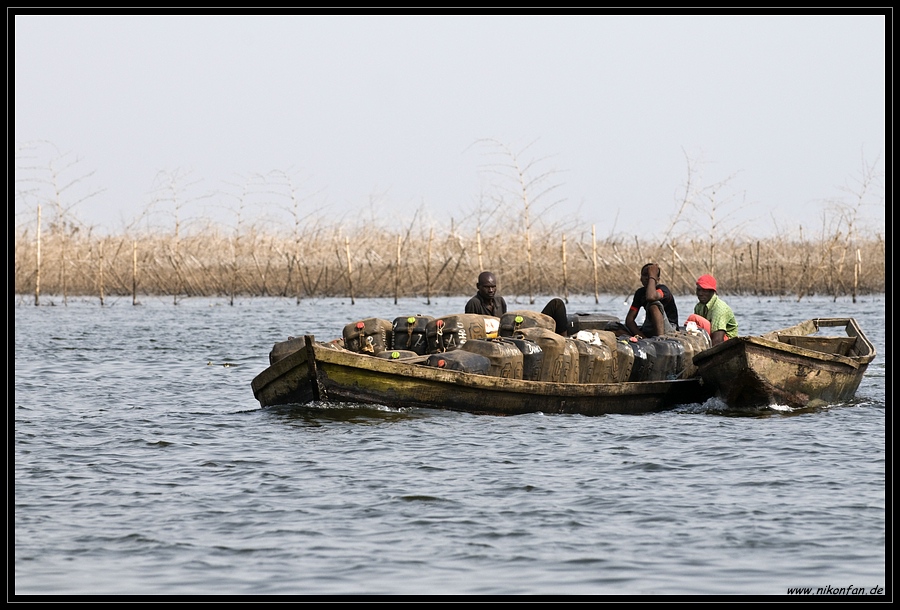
716,406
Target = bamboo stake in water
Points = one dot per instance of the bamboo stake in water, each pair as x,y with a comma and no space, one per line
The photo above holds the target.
349,270
673,272
100,282
65,276
528,258
594,260
756,272
565,270
478,242
234,267
37,273
397,270
428,268
134,272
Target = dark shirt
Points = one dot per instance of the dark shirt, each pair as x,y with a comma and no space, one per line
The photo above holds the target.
479,306
668,302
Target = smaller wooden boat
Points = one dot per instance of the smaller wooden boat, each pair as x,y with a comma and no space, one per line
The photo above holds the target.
303,370
796,366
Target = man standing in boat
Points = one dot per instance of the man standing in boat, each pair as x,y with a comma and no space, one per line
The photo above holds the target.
712,313
488,303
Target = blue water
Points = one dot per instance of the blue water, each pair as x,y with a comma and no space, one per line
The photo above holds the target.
144,465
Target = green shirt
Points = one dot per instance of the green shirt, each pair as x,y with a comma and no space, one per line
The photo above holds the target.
719,315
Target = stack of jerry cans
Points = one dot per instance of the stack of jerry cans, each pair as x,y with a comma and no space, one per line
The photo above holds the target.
694,342
596,363
369,336
560,358
620,369
622,351
409,333
668,360
448,333
506,359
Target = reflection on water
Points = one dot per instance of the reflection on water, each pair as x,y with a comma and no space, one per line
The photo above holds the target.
317,413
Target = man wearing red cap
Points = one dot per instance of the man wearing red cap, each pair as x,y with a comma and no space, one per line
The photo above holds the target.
722,323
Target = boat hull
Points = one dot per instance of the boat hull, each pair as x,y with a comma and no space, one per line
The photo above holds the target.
321,373
788,367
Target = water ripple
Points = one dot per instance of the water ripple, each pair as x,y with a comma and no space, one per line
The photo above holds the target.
144,466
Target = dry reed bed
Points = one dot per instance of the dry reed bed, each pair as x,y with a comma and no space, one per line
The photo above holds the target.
367,262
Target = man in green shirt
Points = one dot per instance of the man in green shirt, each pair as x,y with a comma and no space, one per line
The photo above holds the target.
722,323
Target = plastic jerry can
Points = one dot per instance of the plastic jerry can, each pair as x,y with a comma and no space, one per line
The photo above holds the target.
532,357
409,333
448,333
603,366
460,360
643,359
669,360
560,362
506,359
590,321
369,336
512,321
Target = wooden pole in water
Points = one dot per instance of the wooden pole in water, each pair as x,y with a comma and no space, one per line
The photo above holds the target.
233,270
37,272
565,270
528,258
100,281
428,268
478,243
594,256
672,273
134,272
856,269
752,268
397,271
62,270
756,268
349,270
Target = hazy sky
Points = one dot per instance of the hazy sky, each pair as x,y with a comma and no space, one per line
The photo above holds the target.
387,113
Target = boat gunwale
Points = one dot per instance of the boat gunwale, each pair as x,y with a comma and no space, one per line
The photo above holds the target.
770,341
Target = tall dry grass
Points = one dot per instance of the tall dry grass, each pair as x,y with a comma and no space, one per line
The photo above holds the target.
369,261
290,248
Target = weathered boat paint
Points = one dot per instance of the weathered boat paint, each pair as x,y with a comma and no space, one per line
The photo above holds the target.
324,373
792,366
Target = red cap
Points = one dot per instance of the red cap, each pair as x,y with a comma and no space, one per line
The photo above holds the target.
707,282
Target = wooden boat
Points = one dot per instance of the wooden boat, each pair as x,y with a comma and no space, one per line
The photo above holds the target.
305,371
795,366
